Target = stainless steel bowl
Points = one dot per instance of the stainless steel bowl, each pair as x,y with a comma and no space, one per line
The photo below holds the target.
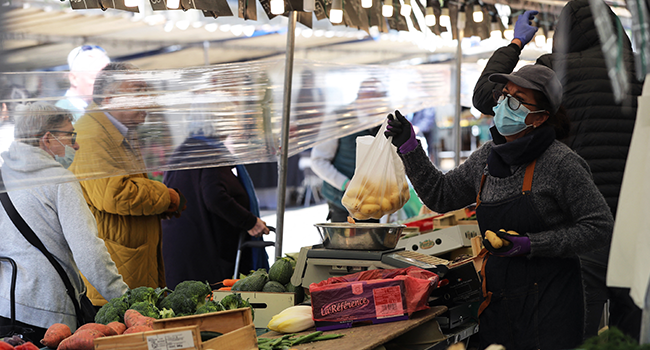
361,236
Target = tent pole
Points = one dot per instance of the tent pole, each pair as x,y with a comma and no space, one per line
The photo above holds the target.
456,127
284,148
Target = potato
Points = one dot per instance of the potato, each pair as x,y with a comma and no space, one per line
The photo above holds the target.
369,209
359,216
371,200
386,205
352,192
495,240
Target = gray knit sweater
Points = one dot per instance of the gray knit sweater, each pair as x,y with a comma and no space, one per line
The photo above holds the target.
57,212
564,195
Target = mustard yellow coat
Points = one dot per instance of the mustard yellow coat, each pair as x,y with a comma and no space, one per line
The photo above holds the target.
126,206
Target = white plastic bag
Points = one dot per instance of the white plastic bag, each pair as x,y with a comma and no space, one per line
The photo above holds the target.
379,185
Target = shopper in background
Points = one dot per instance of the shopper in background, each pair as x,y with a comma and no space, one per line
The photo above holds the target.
15,95
202,244
601,131
334,161
128,206
84,62
57,212
541,194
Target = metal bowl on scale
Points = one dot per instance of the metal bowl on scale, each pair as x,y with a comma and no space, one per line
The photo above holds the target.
360,236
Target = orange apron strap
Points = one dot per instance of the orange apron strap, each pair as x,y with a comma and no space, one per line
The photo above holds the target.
478,196
528,177
487,295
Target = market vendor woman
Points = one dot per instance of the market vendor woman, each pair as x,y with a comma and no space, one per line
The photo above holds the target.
527,183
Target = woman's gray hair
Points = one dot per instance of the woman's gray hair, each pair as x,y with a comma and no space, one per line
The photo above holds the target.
108,80
33,120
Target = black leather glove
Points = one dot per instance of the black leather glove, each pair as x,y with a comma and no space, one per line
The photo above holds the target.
402,132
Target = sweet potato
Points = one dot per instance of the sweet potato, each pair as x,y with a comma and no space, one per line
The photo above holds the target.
137,329
55,334
27,346
80,340
117,326
5,346
106,330
134,318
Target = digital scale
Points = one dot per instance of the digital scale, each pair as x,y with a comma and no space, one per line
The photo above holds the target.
316,264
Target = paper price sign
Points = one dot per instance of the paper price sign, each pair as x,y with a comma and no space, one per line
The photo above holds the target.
171,341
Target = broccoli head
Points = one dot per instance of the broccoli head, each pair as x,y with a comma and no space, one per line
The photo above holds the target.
245,303
187,297
112,311
145,294
146,309
209,306
232,301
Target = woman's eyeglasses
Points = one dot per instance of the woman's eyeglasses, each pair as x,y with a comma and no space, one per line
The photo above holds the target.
513,103
72,133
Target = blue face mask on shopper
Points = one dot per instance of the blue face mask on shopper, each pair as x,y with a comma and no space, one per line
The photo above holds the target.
67,159
508,121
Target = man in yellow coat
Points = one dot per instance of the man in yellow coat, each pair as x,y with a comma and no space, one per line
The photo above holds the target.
127,205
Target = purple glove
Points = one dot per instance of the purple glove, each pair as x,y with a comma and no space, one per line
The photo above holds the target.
524,31
402,132
519,245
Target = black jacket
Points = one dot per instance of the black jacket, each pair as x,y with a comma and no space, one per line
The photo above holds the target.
601,129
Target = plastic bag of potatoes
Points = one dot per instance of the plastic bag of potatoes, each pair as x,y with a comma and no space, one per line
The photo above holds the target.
379,185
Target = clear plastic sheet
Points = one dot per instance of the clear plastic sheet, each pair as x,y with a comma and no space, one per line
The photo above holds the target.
239,107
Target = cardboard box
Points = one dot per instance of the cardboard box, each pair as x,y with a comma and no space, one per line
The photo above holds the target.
179,333
440,241
265,304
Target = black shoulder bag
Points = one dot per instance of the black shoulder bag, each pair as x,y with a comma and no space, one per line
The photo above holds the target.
85,310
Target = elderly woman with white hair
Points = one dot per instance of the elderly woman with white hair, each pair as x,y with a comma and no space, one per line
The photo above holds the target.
50,201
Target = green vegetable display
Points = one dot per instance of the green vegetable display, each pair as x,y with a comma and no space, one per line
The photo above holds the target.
112,311
281,271
273,286
254,282
209,306
146,308
289,340
187,297
612,339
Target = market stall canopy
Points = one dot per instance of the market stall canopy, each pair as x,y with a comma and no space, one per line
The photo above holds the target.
38,35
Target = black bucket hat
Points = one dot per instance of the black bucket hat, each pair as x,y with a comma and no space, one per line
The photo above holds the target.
535,77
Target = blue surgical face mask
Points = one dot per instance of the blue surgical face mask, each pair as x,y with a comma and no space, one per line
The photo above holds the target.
67,159
508,121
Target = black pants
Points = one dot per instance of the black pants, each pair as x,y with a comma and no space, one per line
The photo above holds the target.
34,336
623,312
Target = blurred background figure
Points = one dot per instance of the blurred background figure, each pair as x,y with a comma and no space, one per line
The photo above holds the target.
202,245
424,124
84,62
11,95
334,161
127,205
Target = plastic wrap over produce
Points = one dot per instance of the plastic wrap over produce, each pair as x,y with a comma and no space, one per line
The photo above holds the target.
151,121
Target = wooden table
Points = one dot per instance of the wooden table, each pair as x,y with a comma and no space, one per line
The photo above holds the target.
366,337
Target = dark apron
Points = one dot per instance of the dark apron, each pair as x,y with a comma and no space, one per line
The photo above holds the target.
528,303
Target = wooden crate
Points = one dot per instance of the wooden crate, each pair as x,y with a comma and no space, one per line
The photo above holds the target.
184,332
266,304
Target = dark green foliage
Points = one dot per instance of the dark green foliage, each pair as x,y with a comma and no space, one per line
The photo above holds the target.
187,297
146,309
209,306
298,291
255,281
237,284
112,311
613,339
145,294
273,286
245,303
231,301
281,271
